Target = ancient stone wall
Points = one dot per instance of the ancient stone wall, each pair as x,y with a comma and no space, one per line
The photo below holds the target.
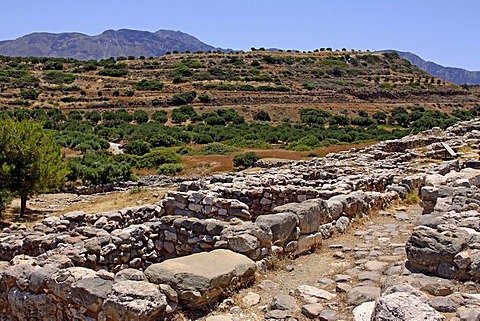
91,266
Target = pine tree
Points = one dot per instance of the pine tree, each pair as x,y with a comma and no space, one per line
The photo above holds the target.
30,159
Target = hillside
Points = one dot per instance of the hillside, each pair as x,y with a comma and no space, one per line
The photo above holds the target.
111,43
279,82
456,75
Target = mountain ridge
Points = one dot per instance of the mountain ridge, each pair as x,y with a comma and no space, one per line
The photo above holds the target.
110,43
456,75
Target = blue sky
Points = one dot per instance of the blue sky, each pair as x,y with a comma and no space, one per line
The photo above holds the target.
443,31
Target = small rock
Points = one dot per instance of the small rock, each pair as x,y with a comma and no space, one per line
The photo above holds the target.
362,294
343,288
312,310
311,294
401,217
328,315
284,302
443,304
289,268
251,299
342,278
268,285
339,255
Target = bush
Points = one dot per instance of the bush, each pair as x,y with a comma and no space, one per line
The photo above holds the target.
169,169
140,116
137,147
261,116
114,70
182,99
158,157
245,160
148,84
204,98
163,140
98,168
58,77
30,94
160,116
182,114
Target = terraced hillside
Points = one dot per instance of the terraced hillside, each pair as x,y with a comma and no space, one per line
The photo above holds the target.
279,82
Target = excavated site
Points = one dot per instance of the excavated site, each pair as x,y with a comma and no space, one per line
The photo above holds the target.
210,238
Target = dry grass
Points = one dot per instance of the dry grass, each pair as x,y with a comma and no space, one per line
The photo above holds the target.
209,164
57,204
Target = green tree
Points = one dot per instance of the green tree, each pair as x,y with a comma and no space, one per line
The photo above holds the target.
245,160
140,116
30,159
137,147
261,116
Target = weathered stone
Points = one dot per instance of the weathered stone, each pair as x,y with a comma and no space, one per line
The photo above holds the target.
251,299
284,302
201,278
312,294
310,213
132,300
443,304
312,310
401,306
362,294
364,311
282,226
91,292
129,275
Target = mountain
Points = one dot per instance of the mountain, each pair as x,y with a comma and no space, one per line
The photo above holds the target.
456,75
111,43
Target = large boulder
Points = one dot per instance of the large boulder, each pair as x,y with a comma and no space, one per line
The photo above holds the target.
203,277
282,226
311,214
431,250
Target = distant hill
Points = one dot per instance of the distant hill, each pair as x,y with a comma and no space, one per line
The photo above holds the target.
111,43
456,75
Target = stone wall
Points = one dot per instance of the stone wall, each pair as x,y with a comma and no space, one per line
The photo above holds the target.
447,240
284,210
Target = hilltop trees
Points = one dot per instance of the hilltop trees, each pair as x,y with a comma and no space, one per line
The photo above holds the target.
30,160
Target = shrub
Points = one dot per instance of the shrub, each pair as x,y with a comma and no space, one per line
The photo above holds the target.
160,116
137,147
308,86
204,98
31,94
163,140
58,77
148,84
182,99
98,168
169,169
140,116
158,157
245,160
261,116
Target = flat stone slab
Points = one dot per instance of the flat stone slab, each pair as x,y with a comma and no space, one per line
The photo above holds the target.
201,278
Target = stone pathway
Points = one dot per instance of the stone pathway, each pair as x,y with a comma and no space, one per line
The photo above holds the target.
342,277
